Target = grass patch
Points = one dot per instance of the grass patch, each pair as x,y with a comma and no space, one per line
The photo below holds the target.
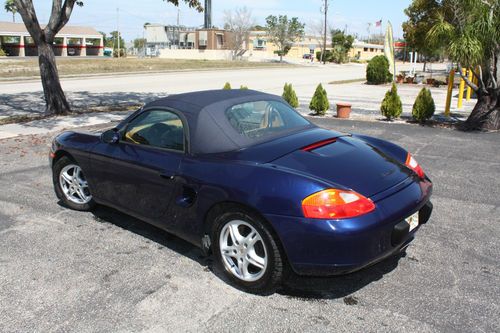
77,66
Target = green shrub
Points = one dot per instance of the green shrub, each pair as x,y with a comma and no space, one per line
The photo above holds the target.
328,55
319,102
424,106
290,96
243,87
377,71
391,105
123,54
227,86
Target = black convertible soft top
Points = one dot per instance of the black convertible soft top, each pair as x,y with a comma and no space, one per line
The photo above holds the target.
209,128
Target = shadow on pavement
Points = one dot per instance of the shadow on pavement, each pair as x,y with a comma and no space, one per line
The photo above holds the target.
306,287
33,103
103,214
300,287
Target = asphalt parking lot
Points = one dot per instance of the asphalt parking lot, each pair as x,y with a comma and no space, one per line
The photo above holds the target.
62,270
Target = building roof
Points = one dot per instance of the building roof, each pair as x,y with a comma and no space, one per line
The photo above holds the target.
15,29
359,44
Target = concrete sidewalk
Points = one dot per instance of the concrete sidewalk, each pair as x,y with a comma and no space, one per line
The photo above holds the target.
57,124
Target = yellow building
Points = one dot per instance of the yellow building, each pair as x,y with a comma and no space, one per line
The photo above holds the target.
365,51
258,45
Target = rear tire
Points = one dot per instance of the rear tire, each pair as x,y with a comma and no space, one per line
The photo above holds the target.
246,251
71,186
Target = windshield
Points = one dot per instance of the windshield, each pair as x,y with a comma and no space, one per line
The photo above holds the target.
261,119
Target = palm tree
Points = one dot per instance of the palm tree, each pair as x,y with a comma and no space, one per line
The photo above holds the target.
470,29
10,7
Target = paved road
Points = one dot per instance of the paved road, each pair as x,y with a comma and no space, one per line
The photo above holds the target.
18,98
63,270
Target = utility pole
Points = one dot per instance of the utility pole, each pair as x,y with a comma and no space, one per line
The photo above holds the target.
118,30
325,11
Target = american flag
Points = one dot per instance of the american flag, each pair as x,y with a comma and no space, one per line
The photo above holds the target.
378,23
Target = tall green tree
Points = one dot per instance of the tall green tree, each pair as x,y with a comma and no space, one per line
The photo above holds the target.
422,16
56,102
139,43
470,32
112,40
10,7
283,32
341,45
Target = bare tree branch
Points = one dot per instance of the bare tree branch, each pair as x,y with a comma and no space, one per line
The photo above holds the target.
58,18
239,22
28,14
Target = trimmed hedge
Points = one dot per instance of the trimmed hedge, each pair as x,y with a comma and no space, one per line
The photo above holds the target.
290,96
424,106
227,86
319,102
391,105
377,71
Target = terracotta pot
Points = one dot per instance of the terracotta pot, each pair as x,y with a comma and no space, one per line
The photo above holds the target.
343,110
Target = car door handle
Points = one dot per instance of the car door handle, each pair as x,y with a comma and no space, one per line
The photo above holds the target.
168,176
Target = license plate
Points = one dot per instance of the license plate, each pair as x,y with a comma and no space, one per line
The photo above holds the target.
412,221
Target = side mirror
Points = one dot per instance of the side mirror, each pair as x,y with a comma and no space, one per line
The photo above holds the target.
110,136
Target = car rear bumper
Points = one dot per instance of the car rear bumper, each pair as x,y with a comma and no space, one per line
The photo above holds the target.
333,247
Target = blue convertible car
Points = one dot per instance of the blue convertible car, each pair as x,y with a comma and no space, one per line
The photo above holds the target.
241,174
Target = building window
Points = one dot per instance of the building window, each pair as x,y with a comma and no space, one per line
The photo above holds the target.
365,49
220,41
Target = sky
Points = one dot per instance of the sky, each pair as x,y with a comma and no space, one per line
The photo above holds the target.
351,15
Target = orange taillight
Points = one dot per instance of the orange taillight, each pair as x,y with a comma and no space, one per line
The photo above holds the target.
336,204
412,163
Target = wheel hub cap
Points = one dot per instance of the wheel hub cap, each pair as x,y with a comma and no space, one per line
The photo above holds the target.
243,251
74,185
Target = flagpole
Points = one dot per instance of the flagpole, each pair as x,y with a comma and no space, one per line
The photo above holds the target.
381,28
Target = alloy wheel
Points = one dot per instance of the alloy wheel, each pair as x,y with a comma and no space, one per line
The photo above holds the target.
74,185
243,251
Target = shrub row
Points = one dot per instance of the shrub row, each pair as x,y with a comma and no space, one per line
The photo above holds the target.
423,108
391,107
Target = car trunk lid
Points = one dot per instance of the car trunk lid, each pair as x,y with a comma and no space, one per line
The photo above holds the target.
347,162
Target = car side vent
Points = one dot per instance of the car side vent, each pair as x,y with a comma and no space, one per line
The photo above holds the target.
318,144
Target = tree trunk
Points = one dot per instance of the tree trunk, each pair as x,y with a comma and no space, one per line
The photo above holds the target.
54,95
486,113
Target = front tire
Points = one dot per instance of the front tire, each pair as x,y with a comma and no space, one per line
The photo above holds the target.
71,186
247,251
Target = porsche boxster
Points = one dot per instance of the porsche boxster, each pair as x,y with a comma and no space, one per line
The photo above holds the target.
246,178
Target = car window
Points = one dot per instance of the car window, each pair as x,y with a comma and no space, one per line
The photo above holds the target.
260,119
162,129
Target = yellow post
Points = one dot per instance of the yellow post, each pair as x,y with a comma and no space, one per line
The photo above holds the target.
469,89
450,92
461,90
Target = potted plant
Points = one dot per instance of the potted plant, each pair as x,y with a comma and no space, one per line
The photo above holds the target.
343,110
